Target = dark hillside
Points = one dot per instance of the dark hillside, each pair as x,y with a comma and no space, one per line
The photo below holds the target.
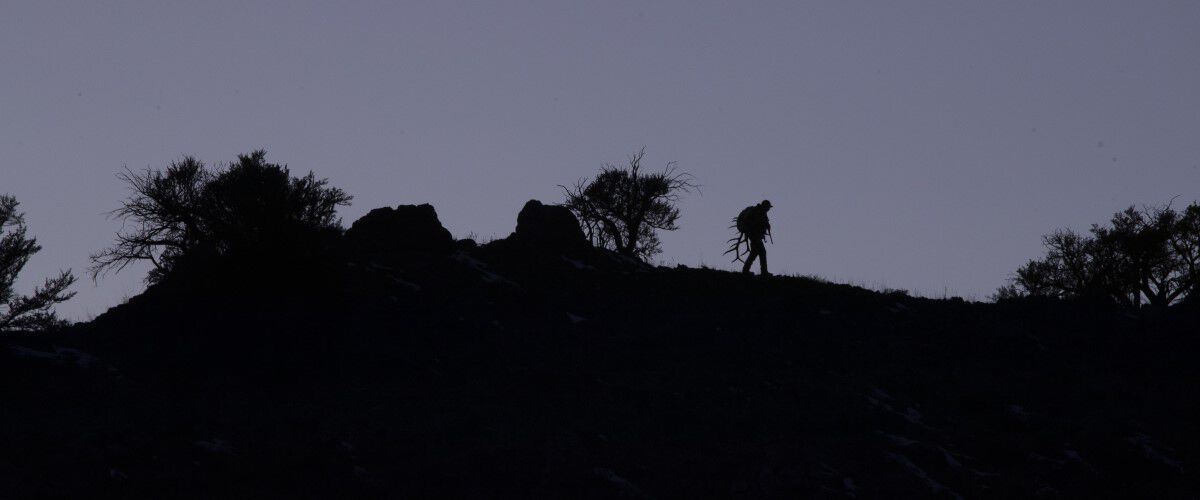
539,366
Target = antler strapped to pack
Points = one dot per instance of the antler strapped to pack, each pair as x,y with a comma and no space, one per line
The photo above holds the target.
735,243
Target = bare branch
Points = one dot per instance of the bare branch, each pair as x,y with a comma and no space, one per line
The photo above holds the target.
622,207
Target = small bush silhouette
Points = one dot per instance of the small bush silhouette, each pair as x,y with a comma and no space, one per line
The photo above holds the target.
189,212
1148,256
25,312
622,208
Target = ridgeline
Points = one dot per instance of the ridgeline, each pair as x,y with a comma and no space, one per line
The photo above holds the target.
413,365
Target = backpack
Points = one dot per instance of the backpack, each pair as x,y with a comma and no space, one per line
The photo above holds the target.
750,221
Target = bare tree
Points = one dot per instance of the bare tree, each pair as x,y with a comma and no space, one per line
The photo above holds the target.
622,208
190,211
162,219
1185,243
25,312
1144,263
1147,256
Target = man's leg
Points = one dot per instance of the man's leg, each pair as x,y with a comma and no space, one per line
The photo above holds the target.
757,249
749,260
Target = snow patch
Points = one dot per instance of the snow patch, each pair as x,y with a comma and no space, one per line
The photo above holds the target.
215,446
33,353
913,416
1077,458
1044,458
577,264
920,473
950,460
407,284
898,441
909,414
627,489
851,488
481,268
391,272
1017,412
1151,450
60,354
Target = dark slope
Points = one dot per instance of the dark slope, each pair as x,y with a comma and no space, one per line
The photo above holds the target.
534,367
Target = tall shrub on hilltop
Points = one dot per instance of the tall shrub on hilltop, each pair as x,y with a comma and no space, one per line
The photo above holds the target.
25,312
189,212
622,208
1148,256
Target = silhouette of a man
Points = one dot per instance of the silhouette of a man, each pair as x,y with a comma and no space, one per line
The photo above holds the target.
753,223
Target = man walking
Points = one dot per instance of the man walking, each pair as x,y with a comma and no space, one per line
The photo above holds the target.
754,227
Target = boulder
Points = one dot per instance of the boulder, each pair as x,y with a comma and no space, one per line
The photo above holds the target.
549,227
405,229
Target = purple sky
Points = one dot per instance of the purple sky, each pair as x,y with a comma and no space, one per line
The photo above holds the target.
923,145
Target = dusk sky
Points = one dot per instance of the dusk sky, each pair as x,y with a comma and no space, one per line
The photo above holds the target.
922,145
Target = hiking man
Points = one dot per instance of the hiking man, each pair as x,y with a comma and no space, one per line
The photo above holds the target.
753,226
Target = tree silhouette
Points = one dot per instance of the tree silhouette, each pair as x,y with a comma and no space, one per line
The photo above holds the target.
1185,244
622,208
1148,256
189,211
25,312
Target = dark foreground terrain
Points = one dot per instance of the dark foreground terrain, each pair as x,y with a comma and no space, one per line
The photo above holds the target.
415,367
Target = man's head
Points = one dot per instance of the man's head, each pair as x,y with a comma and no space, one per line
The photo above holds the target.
766,205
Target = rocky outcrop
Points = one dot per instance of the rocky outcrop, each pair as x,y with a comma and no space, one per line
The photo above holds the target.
406,229
549,227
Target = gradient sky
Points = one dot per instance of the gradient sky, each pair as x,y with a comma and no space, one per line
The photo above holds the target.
923,145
